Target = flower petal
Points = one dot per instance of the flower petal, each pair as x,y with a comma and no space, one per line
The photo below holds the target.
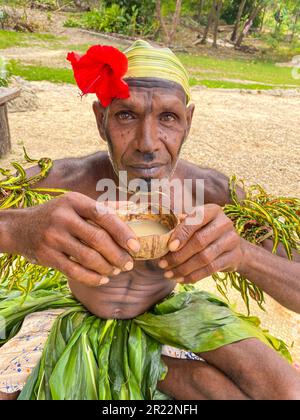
100,71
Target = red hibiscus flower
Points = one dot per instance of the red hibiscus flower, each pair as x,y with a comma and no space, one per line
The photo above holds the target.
100,71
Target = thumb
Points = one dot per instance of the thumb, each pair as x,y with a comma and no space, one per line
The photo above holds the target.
189,224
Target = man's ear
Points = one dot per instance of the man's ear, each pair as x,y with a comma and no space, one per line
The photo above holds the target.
99,112
189,117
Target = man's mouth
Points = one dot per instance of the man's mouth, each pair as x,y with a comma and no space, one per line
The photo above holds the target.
146,170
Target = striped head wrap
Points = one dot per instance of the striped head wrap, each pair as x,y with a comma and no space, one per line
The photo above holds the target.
145,60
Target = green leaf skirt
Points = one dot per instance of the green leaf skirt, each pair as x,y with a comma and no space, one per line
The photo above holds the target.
86,357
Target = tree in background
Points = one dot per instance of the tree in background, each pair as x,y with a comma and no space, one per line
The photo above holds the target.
209,23
218,8
200,10
296,14
169,33
257,8
264,12
238,20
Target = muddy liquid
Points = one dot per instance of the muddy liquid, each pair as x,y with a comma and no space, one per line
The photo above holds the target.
147,227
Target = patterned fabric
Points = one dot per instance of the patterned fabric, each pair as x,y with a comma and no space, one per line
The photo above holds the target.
179,354
144,60
21,354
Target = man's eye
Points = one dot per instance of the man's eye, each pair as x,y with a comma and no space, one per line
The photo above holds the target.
168,117
124,115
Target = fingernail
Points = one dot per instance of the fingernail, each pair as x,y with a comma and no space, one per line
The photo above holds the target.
169,274
174,245
103,280
128,266
133,244
163,264
179,280
116,271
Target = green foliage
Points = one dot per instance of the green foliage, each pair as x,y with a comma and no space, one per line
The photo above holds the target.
112,19
72,22
4,73
38,73
17,190
223,84
145,10
121,359
10,39
230,10
124,17
257,71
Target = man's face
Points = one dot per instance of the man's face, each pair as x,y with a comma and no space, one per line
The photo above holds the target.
146,131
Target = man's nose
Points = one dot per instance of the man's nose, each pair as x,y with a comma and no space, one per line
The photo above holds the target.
147,138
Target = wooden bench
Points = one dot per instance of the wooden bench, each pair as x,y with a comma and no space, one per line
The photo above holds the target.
6,95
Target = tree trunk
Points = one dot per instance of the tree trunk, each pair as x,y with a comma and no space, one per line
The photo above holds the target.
200,10
5,145
160,19
295,25
256,10
263,19
169,35
209,22
217,20
238,20
175,22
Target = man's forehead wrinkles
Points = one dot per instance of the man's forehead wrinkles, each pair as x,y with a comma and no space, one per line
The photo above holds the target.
158,90
148,99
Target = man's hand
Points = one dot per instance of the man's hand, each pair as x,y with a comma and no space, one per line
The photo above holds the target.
199,250
75,235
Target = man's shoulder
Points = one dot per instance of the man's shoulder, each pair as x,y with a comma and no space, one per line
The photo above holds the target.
83,172
76,174
216,184
86,162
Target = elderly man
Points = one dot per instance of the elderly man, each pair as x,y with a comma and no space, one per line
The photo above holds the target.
145,118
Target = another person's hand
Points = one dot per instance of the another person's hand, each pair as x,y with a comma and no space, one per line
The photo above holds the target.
75,235
201,249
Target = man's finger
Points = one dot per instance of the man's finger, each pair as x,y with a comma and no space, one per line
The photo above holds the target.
183,232
100,240
76,272
87,257
100,215
201,259
200,240
220,264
